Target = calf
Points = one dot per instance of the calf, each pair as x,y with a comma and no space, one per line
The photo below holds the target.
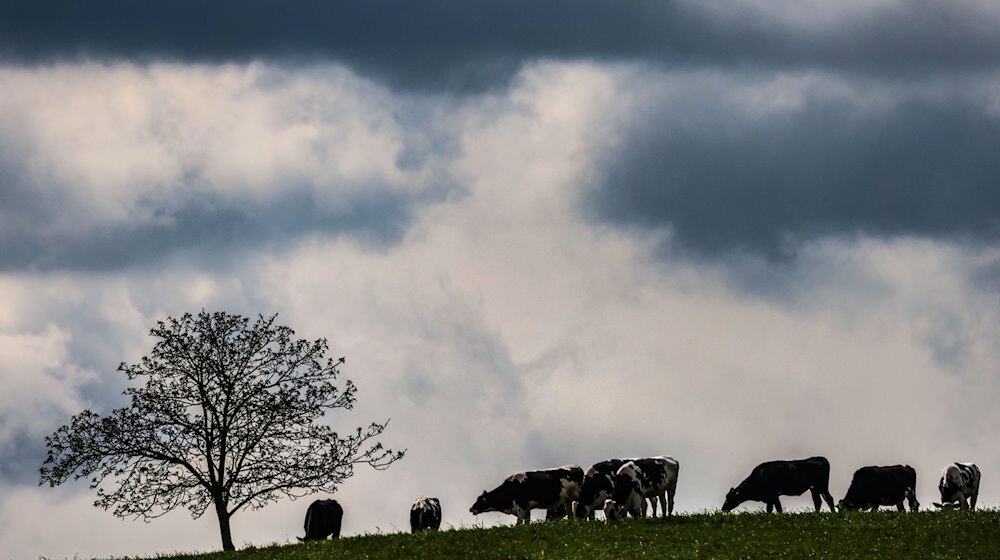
768,481
959,485
323,519
425,514
550,489
598,485
639,479
872,487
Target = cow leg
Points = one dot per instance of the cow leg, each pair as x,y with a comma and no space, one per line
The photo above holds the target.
663,505
777,504
670,501
972,501
829,500
899,506
652,504
815,496
962,503
770,507
875,507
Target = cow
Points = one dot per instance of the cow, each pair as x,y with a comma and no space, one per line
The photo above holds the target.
550,489
323,519
872,487
425,515
768,481
598,485
959,486
639,479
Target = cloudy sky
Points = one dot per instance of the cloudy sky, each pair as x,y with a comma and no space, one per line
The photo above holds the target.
541,232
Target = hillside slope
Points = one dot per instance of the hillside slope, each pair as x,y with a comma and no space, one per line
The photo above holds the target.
885,535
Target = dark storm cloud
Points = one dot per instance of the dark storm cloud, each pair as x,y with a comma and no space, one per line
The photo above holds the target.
212,230
474,45
725,182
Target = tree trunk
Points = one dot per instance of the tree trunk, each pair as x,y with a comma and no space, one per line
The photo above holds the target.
227,535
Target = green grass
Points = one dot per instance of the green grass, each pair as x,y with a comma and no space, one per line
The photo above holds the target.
885,535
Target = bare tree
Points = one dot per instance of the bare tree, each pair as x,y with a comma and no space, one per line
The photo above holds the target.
226,413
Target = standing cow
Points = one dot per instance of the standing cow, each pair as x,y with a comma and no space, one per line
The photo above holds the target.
550,489
639,479
872,487
323,519
959,486
770,480
598,485
425,515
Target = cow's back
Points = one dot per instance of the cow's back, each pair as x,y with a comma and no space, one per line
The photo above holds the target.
787,477
884,486
323,518
546,488
658,474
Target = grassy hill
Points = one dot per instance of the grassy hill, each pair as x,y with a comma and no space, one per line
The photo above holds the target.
885,535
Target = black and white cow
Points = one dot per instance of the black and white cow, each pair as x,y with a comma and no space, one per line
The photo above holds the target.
550,489
598,485
425,514
872,487
768,481
323,519
959,486
639,479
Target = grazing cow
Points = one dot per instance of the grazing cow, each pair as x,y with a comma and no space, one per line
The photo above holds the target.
550,489
872,487
768,481
598,486
425,514
322,520
639,479
959,486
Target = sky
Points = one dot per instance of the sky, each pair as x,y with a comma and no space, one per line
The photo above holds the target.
541,233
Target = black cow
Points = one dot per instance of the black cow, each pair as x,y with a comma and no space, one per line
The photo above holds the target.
425,514
770,480
872,487
323,519
598,485
959,486
550,489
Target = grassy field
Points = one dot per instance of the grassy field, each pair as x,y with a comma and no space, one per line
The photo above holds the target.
885,535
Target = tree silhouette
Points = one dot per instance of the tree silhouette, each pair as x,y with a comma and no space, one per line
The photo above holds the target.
227,413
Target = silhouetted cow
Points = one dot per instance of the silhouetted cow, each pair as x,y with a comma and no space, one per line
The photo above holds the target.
323,519
639,479
550,489
425,514
872,487
959,486
598,485
770,480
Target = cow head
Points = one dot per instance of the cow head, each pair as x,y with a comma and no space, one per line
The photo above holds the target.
847,505
612,511
733,499
484,504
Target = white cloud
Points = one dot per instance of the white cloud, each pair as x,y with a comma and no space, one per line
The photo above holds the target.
505,331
